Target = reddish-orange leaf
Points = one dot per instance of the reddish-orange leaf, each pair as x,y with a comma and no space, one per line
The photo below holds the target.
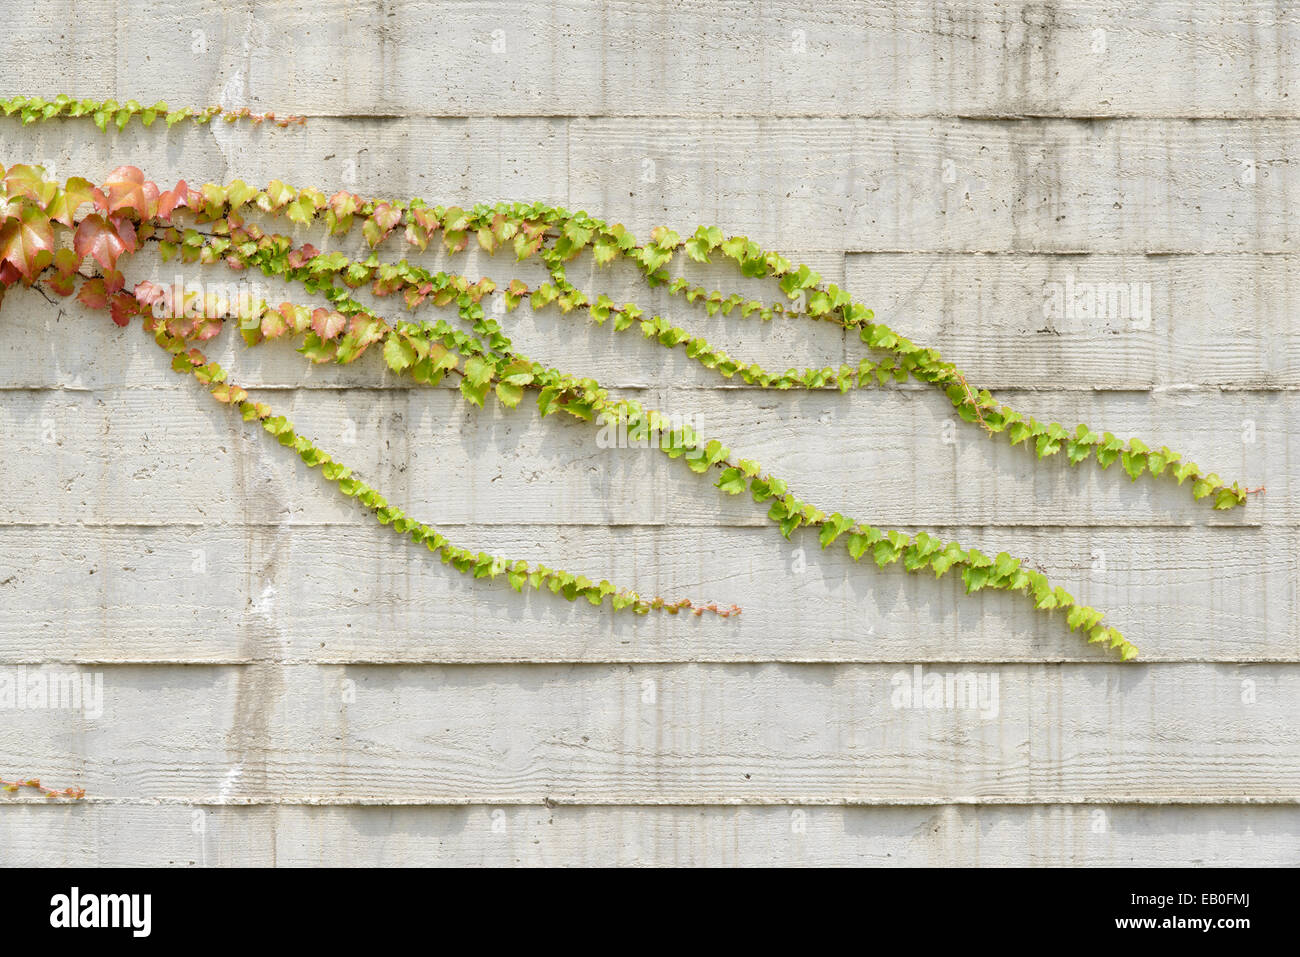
25,237
299,257
417,235
170,200
179,326
93,295
125,188
206,327
97,237
122,306
152,295
63,285
126,232
381,223
296,318
327,324
416,294
426,218
114,281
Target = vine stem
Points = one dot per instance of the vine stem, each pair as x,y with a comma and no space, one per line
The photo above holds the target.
74,793
211,375
787,510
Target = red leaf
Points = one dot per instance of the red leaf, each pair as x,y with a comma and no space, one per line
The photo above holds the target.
25,237
179,326
93,294
114,281
147,293
125,189
126,232
327,324
299,257
96,237
122,306
206,327
63,285
170,200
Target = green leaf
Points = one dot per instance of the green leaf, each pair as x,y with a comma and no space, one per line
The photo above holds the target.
1226,498
473,393
509,394
858,544
1135,463
834,527
951,554
732,481
1108,451
1157,462
1005,567
478,371
398,353
886,552
1046,445
975,578
1081,616
919,553
1018,432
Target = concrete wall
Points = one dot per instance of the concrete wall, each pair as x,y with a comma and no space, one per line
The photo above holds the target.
285,682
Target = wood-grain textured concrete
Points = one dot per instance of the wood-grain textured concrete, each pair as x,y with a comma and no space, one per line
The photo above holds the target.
283,682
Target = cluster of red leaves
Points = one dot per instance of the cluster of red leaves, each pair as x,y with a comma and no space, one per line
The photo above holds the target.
125,209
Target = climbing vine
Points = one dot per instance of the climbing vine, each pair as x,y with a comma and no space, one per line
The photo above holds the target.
72,237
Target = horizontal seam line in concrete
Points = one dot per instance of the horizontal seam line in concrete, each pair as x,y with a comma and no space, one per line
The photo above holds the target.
969,663
792,252
757,523
544,801
897,388
991,116
1062,253
1110,662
